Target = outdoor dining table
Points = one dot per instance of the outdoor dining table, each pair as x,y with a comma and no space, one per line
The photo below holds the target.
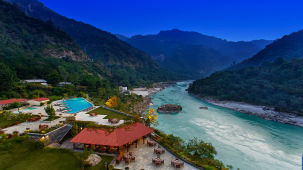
128,158
158,161
177,163
151,143
159,150
114,120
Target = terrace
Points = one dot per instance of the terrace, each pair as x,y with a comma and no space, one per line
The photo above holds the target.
145,154
136,150
96,118
102,116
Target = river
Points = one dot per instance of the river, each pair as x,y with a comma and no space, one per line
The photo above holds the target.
241,140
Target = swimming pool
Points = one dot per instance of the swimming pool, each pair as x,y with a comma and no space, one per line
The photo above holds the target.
30,108
76,105
25,110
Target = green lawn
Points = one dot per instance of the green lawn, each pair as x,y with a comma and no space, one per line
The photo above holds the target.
4,122
8,118
27,155
110,114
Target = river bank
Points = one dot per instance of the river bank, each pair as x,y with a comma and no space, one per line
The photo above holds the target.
263,112
241,140
146,93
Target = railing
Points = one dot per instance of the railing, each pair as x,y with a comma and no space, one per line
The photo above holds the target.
54,136
116,111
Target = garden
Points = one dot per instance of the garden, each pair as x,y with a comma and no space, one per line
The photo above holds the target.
9,119
22,153
110,114
195,151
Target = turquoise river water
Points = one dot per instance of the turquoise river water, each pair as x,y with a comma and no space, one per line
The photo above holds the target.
244,141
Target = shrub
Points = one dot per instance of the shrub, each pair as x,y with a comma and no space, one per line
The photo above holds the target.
49,109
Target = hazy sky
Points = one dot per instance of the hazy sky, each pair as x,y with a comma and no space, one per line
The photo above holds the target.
228,19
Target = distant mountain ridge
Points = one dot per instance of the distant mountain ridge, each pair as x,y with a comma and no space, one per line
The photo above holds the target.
122,37
116,58
288,47
211,53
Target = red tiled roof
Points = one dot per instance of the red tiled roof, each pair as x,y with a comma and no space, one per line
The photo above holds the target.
41,99
118,137
9,101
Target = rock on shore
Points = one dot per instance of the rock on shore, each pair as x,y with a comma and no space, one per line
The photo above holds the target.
169,108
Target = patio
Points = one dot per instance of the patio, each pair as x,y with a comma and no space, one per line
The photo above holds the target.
144,155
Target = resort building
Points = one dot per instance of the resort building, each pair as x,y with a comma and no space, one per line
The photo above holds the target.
4,103
64,83
122,89
117,140
39,81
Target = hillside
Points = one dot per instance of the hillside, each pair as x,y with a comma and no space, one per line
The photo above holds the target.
33,48
287,47
192,48
20,32
277,84
119,60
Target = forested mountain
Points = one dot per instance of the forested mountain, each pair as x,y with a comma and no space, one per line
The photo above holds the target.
278,84
31,47
180,50
272,77
288,47
119,60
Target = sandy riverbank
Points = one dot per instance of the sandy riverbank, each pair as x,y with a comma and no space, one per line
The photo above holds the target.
261,111
146,93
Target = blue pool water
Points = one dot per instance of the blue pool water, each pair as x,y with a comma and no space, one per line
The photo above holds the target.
76,105
30,108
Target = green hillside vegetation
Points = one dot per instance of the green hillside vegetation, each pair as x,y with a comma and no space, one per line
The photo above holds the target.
120,62
31,48
21,34
277,84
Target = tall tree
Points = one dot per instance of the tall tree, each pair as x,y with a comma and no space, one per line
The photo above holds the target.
7,78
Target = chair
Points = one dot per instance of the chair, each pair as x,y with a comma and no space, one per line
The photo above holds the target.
150,143
132,156
127,160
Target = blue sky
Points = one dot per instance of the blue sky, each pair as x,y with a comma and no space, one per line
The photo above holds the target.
228,19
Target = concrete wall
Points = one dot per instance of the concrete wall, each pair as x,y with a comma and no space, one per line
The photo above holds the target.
54,136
